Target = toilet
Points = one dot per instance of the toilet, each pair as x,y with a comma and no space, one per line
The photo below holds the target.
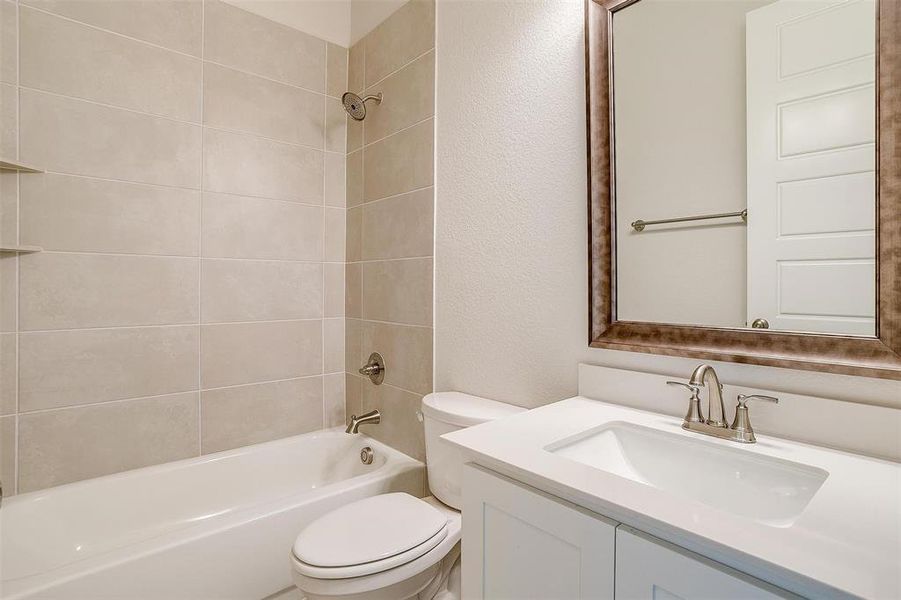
395,546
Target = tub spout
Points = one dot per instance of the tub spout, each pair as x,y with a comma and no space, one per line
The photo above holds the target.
373,417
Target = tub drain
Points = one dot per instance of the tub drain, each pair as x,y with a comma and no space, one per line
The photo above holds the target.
366,455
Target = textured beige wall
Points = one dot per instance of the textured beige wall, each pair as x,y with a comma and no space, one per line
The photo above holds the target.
190,295
390,200
511,284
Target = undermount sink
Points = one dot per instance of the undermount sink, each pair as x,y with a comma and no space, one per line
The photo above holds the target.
769,490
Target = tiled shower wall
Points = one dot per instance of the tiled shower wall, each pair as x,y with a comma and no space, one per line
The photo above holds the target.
390,223
190,297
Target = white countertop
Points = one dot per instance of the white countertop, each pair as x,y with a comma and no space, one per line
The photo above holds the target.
847,541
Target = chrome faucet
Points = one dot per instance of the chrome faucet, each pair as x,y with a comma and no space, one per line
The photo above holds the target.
715,423
373,417
705,376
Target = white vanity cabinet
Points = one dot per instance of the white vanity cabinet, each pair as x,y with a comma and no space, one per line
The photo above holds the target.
521,544
651,569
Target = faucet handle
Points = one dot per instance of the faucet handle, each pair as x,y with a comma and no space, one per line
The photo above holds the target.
695,390
694,403
741,425
743,399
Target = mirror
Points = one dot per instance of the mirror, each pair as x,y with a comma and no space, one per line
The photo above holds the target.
743,159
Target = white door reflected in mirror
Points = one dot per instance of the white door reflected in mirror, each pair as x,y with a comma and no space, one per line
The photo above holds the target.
767,106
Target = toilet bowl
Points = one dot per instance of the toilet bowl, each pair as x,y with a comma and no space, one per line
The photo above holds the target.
395,546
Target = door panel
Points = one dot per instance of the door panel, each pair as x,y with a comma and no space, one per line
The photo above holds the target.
811,165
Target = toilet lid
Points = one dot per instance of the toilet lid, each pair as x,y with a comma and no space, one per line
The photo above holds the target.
370,530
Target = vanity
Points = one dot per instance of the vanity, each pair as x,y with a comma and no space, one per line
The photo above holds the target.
585,498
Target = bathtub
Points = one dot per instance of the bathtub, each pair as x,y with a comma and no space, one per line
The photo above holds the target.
218,526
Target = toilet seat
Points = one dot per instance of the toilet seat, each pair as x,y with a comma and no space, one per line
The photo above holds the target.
400,581
369,536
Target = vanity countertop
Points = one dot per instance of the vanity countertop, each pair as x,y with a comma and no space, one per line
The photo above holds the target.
846,542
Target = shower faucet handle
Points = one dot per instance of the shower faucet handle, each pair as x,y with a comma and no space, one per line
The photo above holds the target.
374,368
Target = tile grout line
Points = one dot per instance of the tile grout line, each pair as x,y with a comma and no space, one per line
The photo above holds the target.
323,249
392,196
197,124
198,189
30,332
16,452
200,239
172,393
367,86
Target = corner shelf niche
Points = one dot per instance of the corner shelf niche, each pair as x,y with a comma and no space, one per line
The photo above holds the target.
8,165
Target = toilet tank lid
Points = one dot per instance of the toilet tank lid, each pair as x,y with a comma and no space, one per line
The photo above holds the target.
463,410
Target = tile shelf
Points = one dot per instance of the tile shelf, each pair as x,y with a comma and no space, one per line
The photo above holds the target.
21,249
8,165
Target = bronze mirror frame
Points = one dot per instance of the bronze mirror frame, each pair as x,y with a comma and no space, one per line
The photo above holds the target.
879,356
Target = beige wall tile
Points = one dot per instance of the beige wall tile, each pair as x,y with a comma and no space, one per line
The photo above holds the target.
9,42
8,290
236,163
407,351
7,373
58,55
354,234
399,227
66,368
336,69
173,24
400,163
245,290
403,36
335,125
335,185
353,341
398,291
333,345
75,214
354,134
72,136
9,121
334,290
334,234
70,444
333,400
237,38
355,57
353,395
251,414
353,290
9,207
354,177
250,352
8,455
245,227
412,98
243,102
399,427
63,291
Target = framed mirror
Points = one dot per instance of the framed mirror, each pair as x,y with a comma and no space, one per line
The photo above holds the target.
745,181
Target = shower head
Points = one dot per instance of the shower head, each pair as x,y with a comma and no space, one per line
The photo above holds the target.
356,106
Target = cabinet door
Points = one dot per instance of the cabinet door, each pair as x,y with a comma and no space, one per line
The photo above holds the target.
520,543
651,569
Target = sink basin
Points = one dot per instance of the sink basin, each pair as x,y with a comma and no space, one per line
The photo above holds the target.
769,490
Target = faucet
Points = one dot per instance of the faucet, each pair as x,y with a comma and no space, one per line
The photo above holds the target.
705,376
373,416
715,423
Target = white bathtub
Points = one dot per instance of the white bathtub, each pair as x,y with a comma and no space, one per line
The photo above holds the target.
218,526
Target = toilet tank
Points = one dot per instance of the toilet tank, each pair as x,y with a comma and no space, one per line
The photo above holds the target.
444,412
